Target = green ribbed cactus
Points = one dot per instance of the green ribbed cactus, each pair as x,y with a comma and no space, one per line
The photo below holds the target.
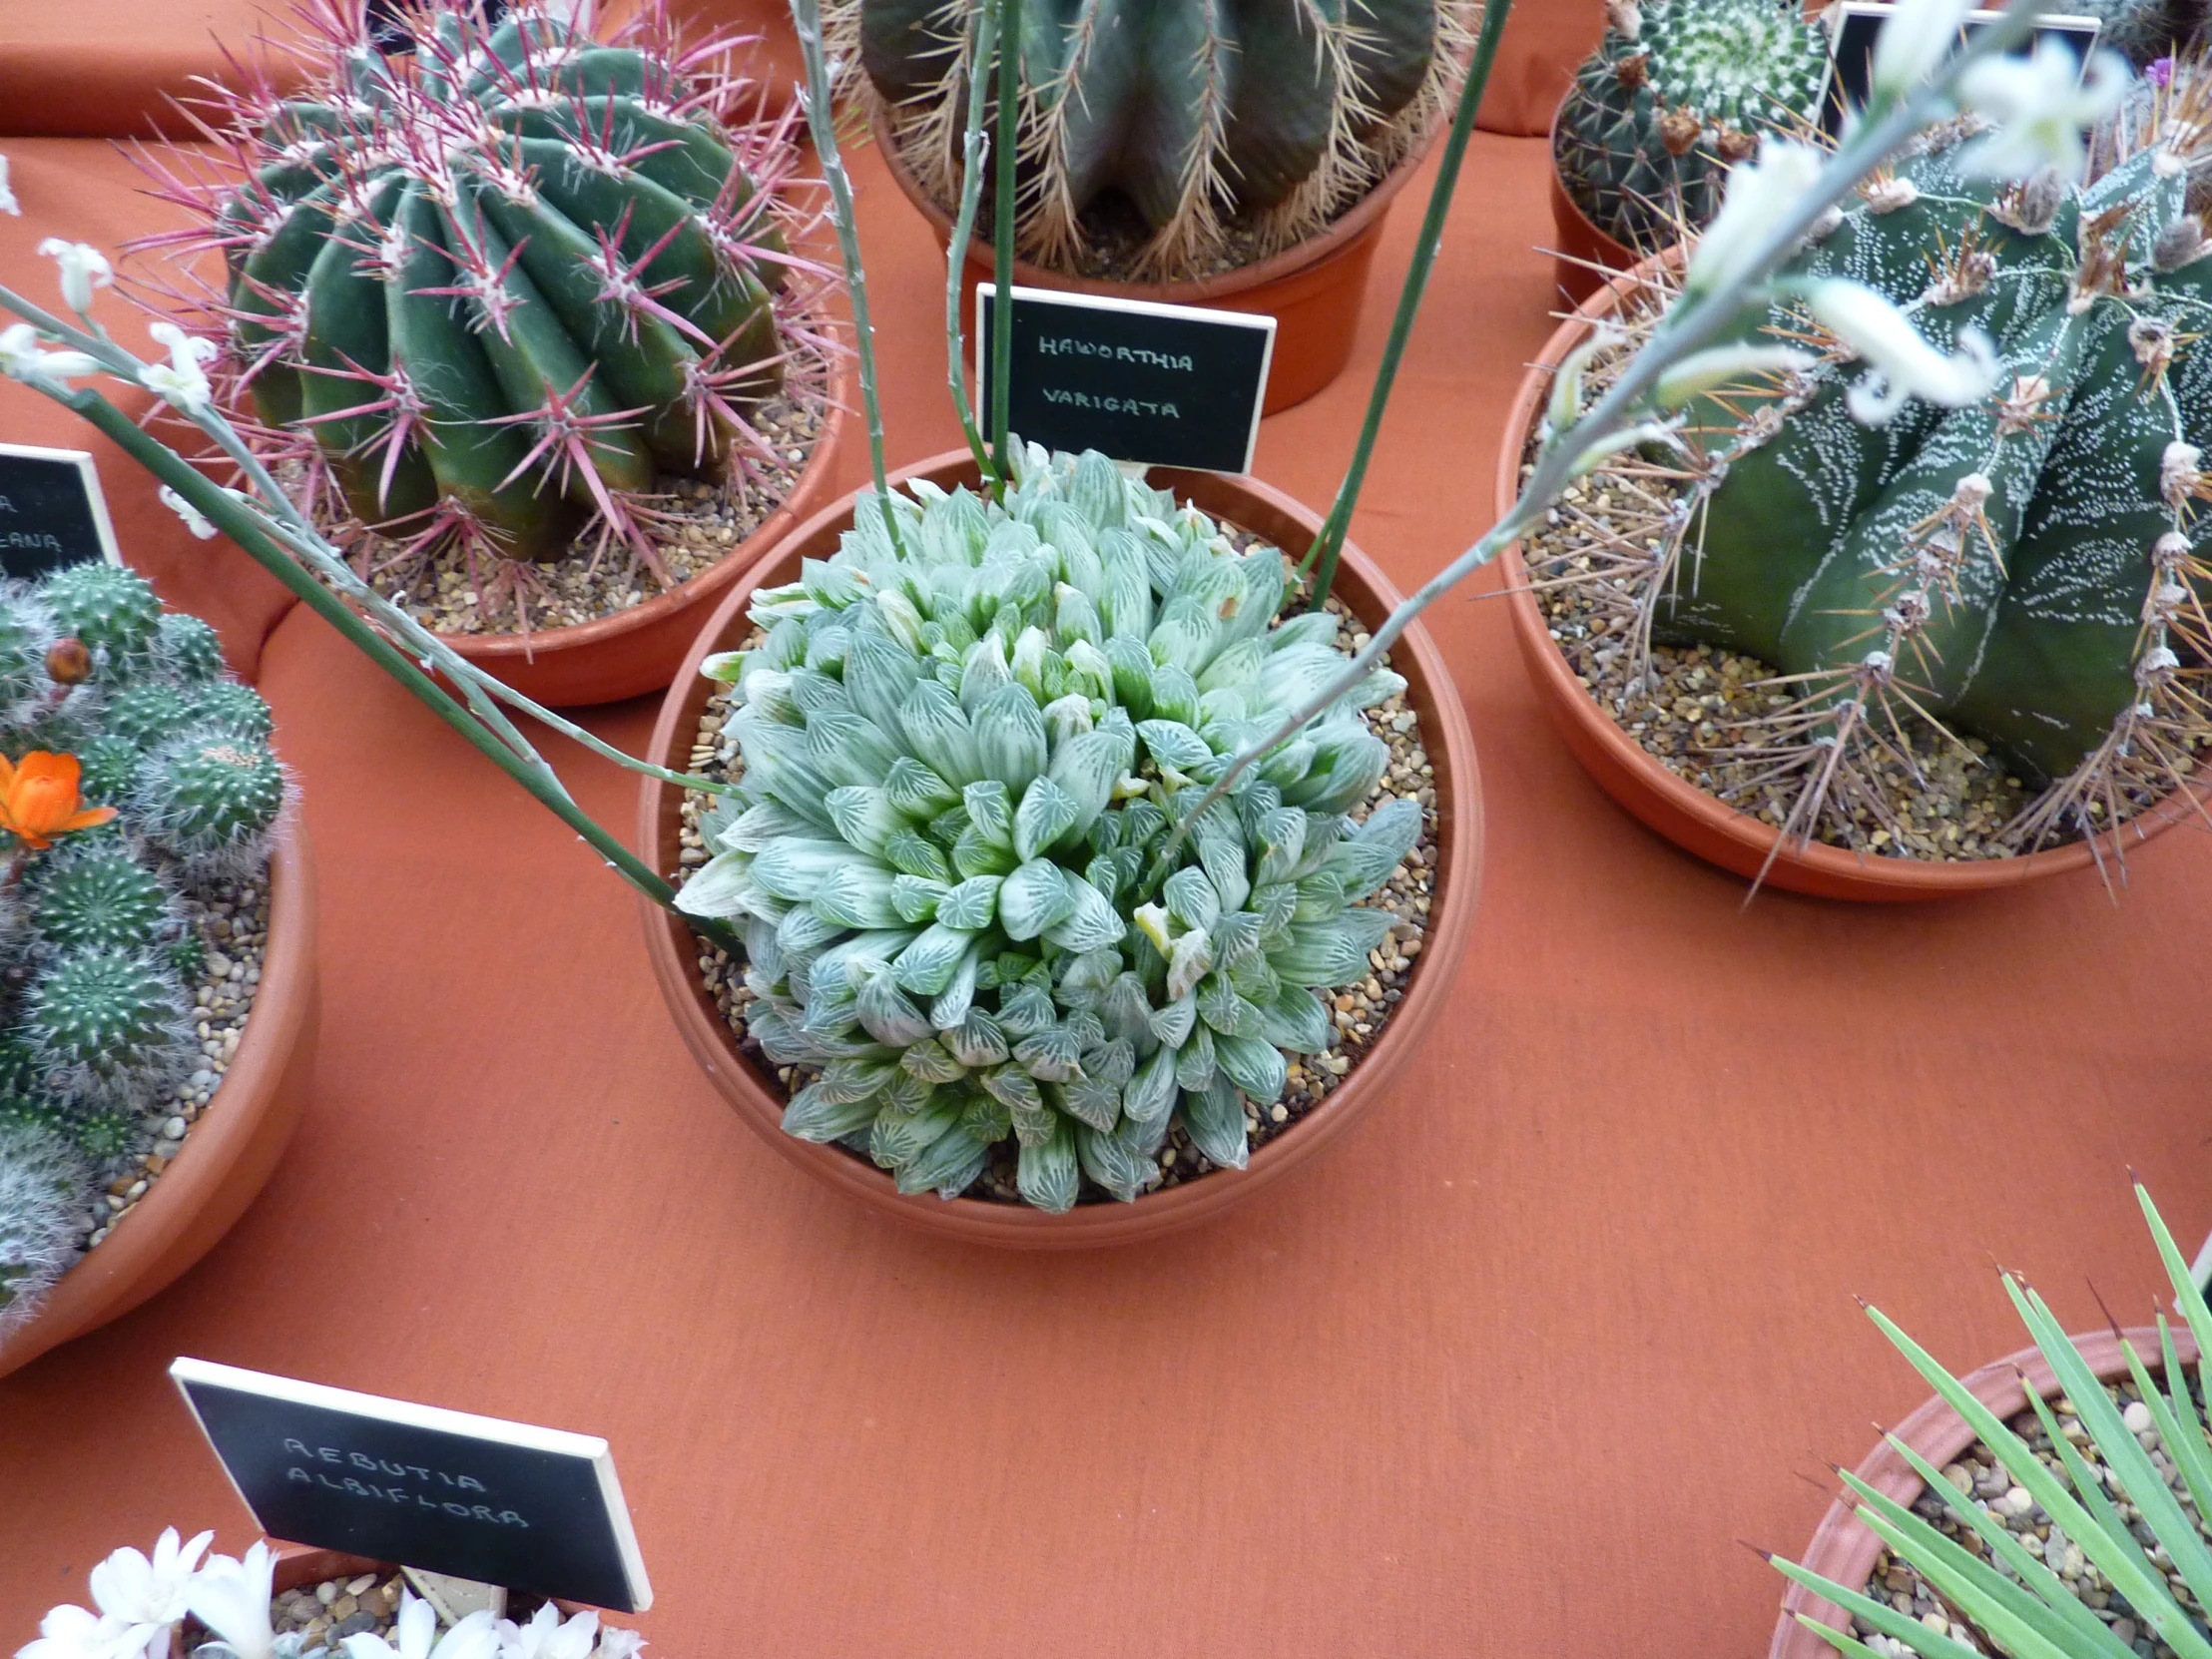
104,856
951,863
2021,569
1676,92
506,284
1261,113
2145,30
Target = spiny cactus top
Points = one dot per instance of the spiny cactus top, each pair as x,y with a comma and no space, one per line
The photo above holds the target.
1275,115
1677,91
2145,30
136,773
506,284
2025,568
964,761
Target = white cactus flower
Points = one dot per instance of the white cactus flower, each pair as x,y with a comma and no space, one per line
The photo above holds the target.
548,1636
1905,364
70,1632
148,1594
1724,366
1760,192
23,357
184,510
1916,37
474,1637
2040,104
84,268
229,1595
8,203
181,381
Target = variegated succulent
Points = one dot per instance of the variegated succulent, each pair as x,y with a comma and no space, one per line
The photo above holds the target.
966,752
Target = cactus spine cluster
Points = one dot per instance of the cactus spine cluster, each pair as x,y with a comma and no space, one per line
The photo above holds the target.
99,948
2022,570
963,758
1676,92
503,289
1268,115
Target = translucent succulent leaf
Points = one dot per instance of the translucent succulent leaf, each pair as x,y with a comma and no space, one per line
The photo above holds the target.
1236,667
719,887
856,894
1221,855
1046,814
1182,639
1028,662
957,999
1068,718
1192,899
1288,763
1255,980
1033,897
804,935
1281,842
1320,898
1310,628
1113,1063
1092,924
1172,744
1225,1012
879,674
974,855
1047,1174
1026,1009
864,817
1237,938
927,965
753,829
1010,737
917,790
1254,1064
914,854
1194,1061
990,810
1189,957
1364,862
848,749
1349,761
1095,490
783,1043
1090,671
815,1114
948,1166
1275,904
1142,823
1174,694
986,1118
1215,1121
1050,1056
931,1063
1125,1012
795,868
896,1139
884,1010
1086,769
1150,1093
1087,977
978,1041
1113,1163
1017,1091
1133,670
1330,953
939,733
1075,618
1297,1020
968,905
985,673
855,1079
763,955
1105,873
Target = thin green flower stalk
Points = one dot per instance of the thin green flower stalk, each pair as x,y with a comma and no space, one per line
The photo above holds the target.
985,31
948,849
1773,204
273,531
2142,1551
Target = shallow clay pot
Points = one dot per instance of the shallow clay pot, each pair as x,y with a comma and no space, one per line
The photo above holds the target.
1844,1550
1686,815
636,650
232,1149
1580,248
1311,291
674,949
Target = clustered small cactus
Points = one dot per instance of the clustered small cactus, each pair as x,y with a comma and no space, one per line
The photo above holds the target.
1270,116
502,291
2020,571
137,773
1677,92
952,852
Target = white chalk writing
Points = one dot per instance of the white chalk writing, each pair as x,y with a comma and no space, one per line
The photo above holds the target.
1112,405
1068,345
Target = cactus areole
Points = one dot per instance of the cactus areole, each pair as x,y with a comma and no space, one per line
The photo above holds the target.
1264,114
2023,569
506,284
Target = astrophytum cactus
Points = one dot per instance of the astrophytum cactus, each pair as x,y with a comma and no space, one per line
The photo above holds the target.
136,773
1262,114
952,855
2018,572
506,287
1675,94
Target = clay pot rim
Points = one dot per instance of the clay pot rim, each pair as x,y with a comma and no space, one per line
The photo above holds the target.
1843,1549
1331,243
1837,866
250,1090
580,636
673,948
1562,200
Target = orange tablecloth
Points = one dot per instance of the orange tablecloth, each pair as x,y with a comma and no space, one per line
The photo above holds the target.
1507,1374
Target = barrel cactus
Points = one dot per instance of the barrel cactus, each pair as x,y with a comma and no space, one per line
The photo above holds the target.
964,908
505,290
1677,92
2018,576
133,772
1255,113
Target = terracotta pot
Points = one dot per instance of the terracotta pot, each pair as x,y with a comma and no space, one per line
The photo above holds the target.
636,650
1685,813
1313,290
1582,248
1844,1550
231,1151
673,949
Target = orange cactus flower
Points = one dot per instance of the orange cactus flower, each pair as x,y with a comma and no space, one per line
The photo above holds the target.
39,799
